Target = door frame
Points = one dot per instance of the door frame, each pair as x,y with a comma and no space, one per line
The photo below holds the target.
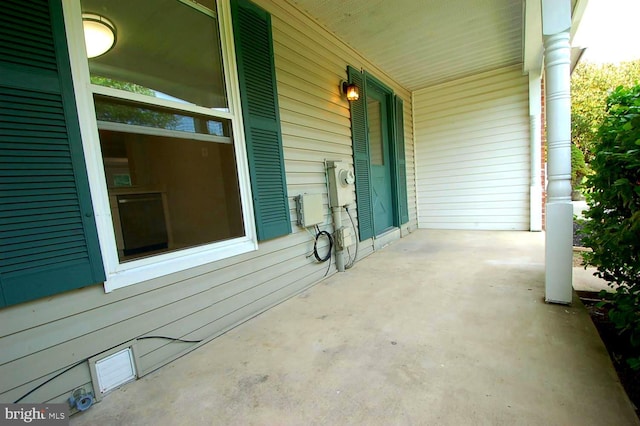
389,96
371,82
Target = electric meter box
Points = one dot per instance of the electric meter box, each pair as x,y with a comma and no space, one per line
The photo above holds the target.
341,180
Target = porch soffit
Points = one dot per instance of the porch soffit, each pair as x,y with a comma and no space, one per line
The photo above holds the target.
420,43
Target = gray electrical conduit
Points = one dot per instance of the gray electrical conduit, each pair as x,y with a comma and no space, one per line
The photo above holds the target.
355,231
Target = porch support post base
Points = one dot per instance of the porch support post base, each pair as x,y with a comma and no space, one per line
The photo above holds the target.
559,253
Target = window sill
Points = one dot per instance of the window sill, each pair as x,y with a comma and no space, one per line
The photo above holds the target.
134,272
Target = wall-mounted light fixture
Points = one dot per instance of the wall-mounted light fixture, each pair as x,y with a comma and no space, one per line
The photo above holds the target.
99,34
350,91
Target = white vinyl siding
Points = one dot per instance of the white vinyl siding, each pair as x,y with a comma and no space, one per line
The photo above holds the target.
43,337
472,152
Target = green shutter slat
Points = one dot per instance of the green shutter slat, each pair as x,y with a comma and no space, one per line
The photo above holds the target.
36,13
33,241
34,144
41,172
38,144
26,36
256,72
361,157
31,100
33,213
54,156
62,256
48,220
363,193
41,249
25,191
401,171
28,158
48,237
33,117
45,105
31,34
24,199
27,234
34,179
17,149
26,166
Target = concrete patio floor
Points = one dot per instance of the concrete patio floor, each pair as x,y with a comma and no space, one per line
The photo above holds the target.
440,328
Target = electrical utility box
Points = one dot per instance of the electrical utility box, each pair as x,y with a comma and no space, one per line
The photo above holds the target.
310,210
341,180
344,238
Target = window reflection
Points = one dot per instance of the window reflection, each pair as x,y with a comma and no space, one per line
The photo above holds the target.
128,112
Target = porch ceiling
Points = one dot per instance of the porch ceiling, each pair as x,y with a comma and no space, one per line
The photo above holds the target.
422,43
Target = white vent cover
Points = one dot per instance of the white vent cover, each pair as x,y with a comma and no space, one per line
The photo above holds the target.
115,370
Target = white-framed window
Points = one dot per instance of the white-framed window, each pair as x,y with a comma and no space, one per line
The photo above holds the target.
163,138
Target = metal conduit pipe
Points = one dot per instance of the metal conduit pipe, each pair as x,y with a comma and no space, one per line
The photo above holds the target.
337,224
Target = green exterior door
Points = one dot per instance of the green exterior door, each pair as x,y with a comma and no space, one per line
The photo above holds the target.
377,129
380,159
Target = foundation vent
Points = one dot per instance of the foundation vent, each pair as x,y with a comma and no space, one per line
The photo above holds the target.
115,370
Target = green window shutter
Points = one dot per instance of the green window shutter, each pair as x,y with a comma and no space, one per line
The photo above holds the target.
401,170
257,76
48,237
361,156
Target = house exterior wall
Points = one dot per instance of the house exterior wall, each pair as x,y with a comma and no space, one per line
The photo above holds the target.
543,154
310,63
42,338
472,152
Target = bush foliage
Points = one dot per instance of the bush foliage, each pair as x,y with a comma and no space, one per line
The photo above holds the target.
579,168
612,227
590,86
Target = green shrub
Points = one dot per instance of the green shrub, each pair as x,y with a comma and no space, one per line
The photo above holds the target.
612,227
579,168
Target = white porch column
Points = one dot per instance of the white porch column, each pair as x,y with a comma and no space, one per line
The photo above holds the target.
556,26
535,129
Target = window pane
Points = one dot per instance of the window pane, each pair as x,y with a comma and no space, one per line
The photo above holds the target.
375,132
168,193
171,174
127,112
164,48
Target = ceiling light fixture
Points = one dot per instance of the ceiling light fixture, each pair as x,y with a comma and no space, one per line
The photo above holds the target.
99,34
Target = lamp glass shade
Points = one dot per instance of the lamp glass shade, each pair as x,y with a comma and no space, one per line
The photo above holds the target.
99,34
352,92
